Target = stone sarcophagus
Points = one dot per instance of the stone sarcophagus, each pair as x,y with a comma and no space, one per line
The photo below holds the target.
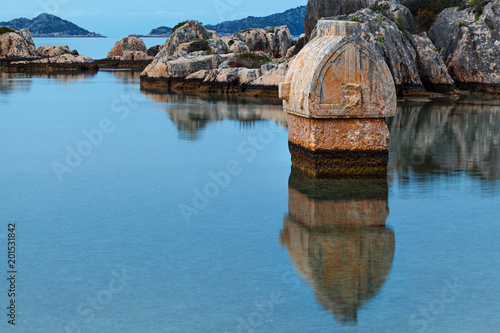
337,93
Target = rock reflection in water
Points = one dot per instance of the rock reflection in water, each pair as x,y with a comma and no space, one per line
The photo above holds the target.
127,76
22,81
336,235
429,138
192,113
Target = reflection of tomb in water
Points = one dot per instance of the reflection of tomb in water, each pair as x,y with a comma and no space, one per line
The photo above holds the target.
335,233
192,113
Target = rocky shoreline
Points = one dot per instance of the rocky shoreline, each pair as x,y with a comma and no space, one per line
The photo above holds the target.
460,51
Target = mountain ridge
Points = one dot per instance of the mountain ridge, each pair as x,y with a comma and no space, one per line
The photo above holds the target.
48,25
292,18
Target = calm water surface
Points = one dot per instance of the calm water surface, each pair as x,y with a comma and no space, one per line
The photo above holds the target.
142,212
96,48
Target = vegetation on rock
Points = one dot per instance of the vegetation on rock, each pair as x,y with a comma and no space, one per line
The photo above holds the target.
249,60
178,25
4,30
299,46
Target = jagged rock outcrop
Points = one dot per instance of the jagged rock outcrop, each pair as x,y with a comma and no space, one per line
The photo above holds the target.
54,51
65,62
17,44
318,9
65,59
128,44
274,41
194,58
470,46
191,31
413,61
154,50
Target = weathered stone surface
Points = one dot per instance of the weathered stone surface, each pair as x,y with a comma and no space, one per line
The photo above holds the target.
135,55
338,75
65,59
274,42
17,44
212,70
338,241
319,9
412,60
190,32
181,67
239,46
470,48
127,44
336,93
65,62
154,50
52,51
338,134
432,70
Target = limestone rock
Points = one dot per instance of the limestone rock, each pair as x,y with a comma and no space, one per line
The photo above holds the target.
432,70
470,48
154,50
274,41
135,55
64,59
52,51
413,61
26,35
181,67
318,9
17,44
239,46
189,32
128,44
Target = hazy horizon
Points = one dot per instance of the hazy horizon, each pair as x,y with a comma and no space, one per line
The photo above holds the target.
127,18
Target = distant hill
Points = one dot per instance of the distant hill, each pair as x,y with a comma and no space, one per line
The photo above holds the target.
160,32
47,25
293,18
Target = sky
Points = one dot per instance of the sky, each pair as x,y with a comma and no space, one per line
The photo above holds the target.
121,18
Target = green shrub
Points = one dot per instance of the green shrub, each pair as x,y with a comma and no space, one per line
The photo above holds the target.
425,20
354,19
271,30
249,60
230,43
490,25
407,36
401,23
200,45
380,19
434,6
477,6
4,30
301,42
247,30
380,40
462,24
178,25
379,7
